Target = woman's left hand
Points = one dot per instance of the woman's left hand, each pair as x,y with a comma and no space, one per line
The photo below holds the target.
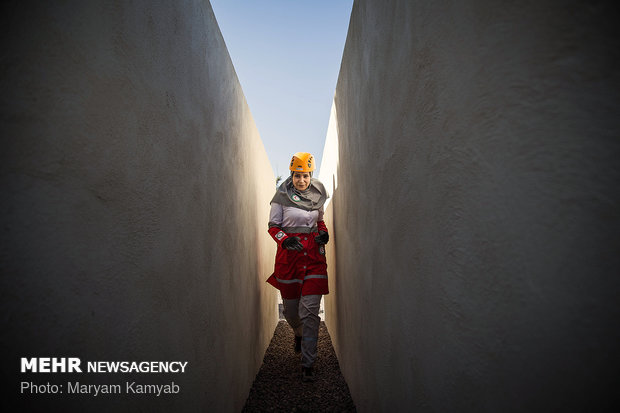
322,238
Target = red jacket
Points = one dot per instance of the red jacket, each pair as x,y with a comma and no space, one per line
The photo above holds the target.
298,273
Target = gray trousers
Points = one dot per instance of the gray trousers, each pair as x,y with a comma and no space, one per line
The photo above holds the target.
302,315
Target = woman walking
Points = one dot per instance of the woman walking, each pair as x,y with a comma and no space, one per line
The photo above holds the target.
300,271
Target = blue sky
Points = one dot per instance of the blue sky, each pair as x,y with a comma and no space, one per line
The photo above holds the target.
287,56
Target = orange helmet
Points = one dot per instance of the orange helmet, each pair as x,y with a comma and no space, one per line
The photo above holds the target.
302,162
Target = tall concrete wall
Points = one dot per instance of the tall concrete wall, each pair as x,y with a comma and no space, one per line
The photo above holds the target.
135,191
476,213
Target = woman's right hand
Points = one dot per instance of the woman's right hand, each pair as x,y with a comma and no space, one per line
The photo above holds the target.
292,243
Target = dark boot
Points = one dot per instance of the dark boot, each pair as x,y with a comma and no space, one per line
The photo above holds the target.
307,374
297,345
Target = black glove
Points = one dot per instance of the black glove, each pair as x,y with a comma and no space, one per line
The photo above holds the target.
292,243
322,238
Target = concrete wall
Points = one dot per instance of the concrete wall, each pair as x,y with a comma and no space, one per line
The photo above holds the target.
135,191
329,178
476,214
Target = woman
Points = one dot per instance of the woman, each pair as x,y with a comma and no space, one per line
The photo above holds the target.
296,224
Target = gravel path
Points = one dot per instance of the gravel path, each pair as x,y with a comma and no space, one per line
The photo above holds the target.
278,386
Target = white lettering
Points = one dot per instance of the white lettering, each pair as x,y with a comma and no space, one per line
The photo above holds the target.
30,387
111,366
58,364
136,367
50,365
44,365
158,389
29,365
74,365
93,389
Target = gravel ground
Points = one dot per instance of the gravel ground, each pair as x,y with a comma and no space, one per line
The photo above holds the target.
278,386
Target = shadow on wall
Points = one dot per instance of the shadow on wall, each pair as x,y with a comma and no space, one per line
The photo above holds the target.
123,212
475,264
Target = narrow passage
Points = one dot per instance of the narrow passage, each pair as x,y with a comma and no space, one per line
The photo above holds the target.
278,386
